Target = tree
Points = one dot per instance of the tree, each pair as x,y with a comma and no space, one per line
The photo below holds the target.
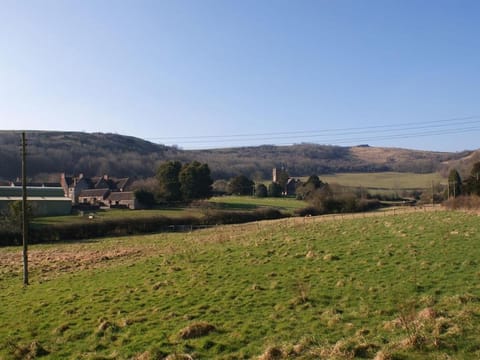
308,189
261,191
220,187
241,185
195,181
473,181
274,190
282,179
454,183
168,181
12,217
145,198
315,181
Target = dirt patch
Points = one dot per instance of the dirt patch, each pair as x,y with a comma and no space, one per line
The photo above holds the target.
54,260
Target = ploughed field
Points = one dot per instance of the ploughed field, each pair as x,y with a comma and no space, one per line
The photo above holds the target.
385,287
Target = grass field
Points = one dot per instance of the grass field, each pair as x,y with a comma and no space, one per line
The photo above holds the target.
386,180
243,203
119,214
288,205
395,287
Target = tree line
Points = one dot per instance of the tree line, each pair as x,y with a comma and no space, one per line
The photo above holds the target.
51,153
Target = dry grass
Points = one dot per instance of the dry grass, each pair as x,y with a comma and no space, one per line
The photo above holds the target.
272,353
27,352
196,330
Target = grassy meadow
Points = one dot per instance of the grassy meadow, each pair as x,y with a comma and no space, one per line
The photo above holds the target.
230,203
386,180
384,287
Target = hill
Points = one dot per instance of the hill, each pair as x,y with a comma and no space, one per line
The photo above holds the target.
52,152
463,164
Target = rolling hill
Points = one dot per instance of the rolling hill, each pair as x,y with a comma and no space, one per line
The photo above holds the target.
51,152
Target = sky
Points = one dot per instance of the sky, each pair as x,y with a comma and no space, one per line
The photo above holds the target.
218,73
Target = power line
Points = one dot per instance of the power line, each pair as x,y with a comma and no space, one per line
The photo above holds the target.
448,123
348,135
359,140
384,135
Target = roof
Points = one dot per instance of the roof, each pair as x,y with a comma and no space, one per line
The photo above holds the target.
35,198
122,196
94,192
103,183
69,180
122,183
37,184
41,191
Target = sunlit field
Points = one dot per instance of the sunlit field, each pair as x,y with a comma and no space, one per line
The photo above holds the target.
401,287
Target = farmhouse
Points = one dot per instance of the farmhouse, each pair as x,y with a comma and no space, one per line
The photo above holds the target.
45,201
125,199
93,196
75,187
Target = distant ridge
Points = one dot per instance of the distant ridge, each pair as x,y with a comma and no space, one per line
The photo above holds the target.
53,152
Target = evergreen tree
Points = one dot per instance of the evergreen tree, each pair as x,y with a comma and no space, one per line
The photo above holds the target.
195,181
454,183
168,181
274,190
261,191
241,185
473,181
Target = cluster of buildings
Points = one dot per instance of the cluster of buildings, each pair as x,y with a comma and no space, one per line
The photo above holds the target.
48,199
290,184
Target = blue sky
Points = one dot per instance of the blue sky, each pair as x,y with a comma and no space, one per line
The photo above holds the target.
215,73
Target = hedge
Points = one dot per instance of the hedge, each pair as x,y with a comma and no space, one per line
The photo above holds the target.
123,227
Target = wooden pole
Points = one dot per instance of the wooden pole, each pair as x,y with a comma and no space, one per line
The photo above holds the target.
24,211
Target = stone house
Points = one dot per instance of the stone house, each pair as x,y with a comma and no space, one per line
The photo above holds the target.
124,199
75,187
94,196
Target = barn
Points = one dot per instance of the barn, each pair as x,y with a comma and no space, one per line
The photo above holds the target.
44,201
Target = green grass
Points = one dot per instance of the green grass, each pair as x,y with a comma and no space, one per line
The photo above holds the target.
247,202
119,214
309,288
242,203
386,180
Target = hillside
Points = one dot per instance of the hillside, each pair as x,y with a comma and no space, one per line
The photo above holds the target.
76,152
463,164
401,286
98,153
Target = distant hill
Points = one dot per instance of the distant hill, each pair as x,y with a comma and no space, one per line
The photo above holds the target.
77,152
52,152
463,164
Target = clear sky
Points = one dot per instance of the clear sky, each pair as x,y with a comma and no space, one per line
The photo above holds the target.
215,73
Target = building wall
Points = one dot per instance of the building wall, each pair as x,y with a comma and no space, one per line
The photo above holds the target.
41,207
44,201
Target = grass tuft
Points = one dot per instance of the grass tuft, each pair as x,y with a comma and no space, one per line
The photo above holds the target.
196,330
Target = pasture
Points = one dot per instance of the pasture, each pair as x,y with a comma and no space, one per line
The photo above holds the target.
390,287
384,180
229,203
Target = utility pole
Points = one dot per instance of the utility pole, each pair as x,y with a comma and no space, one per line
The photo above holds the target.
433,196
24,211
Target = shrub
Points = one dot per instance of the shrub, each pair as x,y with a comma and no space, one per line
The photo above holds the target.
123,227
261,191
471,202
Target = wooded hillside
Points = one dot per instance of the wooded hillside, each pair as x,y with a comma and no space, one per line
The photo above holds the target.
118,155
